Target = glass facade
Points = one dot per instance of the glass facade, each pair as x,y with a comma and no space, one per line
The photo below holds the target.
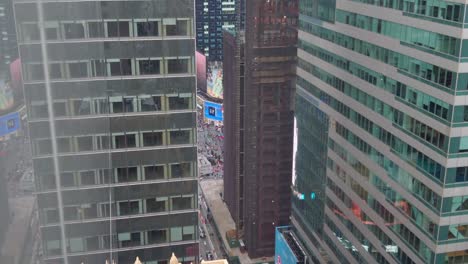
390,164
110,95
212,18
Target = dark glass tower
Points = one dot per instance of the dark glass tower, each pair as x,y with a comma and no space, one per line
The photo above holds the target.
212,17
8,46
110,94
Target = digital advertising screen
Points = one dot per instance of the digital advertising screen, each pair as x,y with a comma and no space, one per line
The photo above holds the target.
213,111
7,100
9,123
214,79
201,71
283,253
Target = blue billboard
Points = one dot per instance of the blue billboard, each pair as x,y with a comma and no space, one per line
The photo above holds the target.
213,111
9,123
283,253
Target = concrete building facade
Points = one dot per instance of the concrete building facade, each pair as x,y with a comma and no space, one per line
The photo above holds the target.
112,119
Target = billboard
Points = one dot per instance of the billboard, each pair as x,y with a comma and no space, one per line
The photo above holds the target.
214,79
201,71
9,123
283,253
6,95
213,111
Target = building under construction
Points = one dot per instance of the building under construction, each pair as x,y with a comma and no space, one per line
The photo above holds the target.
259,116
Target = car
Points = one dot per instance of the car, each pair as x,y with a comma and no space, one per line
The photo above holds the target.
209,256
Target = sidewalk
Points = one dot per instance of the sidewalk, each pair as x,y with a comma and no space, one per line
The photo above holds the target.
211,189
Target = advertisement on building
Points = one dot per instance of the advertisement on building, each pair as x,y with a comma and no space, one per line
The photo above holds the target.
215,79
6,95
201,71
213,111
9,123
283,253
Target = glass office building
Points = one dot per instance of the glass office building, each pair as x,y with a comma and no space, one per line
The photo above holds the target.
212,17
381,110
110,94
8,47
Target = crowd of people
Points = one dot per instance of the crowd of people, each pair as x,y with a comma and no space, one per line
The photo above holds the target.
211,143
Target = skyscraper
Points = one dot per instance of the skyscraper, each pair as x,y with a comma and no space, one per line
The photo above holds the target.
112,124
8,46
381,163
212,17
260,168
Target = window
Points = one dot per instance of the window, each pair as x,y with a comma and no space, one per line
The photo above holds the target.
463,144
188,233
116,103
81,106
180,137
67,179
101,105
35,72
120,67
152,139
51,216
156,205
38,110
73,30
63,145
177,66
154,172
465,113
147,28
151,66
157,236
53,247
98,68
102,142
60,108
92,243
75,245
55,71
129,174
30,32
104,176
179,103
70,213
118,29
125,141
84,143
181,170
105,210
78,69
129,239
128,104
129,208
87,178
96,29
175,27
176,234
152,103
181,203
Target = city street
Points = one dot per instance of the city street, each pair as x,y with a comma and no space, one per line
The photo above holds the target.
210,143
209,243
